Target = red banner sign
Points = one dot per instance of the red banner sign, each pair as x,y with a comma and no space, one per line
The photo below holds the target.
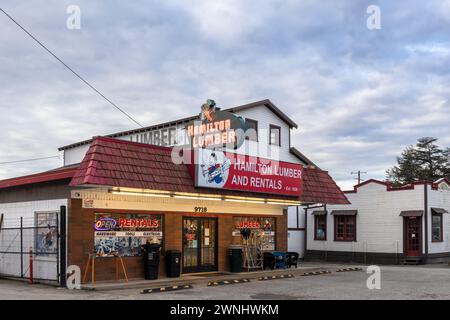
216,169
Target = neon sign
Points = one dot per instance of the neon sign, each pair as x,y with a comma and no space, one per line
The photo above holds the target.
105,224
216,128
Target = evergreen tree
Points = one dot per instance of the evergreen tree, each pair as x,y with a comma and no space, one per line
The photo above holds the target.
424,161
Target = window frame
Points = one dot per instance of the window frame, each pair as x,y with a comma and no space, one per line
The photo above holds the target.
441,230
272,126
257,132
345,237
316,224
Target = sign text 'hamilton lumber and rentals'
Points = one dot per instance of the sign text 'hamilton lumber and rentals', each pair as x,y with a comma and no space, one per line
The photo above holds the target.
224,170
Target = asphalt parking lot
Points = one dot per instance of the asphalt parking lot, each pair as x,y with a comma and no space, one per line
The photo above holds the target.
397,282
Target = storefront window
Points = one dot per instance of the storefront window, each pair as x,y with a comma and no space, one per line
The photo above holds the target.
436,227
345,228
124,234
320,222
264,228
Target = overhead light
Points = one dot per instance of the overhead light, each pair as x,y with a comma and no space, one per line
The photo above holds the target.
245,201
197,198
145,194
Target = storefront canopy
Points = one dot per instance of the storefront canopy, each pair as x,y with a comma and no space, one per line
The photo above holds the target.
344,212
319,213
439,210
411,213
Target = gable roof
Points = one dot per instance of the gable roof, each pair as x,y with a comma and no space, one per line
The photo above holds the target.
265,102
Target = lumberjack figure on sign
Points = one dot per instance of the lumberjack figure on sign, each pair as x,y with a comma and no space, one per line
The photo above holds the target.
216,171
209,109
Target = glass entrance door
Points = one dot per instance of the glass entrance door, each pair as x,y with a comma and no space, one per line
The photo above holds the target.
199,244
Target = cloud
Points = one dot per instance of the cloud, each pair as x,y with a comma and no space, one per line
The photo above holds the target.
360,96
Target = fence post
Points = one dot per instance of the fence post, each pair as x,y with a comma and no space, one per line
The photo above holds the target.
62,247
21,247
30,280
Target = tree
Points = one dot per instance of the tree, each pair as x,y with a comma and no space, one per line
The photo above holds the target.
424,161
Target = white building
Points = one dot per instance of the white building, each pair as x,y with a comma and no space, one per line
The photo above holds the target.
383,224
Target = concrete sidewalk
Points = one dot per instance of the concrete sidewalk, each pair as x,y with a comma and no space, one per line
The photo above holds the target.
202,278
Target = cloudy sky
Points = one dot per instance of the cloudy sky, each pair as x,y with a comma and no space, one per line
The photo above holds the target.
359,96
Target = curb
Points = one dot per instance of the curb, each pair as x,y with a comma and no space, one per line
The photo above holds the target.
227,282
283,276
315,273
349,269
166,289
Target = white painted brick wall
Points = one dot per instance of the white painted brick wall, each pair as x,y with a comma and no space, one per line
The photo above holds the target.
439,199
379,226
44,266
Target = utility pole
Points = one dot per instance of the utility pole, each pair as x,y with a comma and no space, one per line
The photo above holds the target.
359,172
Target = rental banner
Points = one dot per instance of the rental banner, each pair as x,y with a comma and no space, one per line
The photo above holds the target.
224,170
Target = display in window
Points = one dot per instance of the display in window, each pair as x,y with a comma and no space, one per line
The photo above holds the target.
261,228
124,234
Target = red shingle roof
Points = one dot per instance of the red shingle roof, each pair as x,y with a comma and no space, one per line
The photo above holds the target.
319,187
53,175
120,163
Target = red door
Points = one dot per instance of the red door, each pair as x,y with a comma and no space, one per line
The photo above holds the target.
413,236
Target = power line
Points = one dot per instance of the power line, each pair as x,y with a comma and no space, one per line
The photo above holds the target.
27,160
69,68
359,172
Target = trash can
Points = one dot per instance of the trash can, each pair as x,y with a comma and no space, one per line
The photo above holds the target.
236,258
173,263
269,260
280,259
291,259
151,260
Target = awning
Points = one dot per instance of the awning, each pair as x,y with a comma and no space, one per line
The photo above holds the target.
344,212
319,213
439,210
411,213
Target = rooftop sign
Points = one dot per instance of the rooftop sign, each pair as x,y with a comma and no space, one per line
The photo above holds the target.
216,128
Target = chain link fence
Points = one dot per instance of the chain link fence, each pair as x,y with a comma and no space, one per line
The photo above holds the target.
26,238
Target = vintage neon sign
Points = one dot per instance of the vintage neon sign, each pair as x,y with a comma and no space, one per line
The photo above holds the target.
216,128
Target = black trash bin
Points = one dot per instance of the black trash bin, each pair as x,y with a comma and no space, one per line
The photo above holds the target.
151,260
173,263
268,260
236,259
291,259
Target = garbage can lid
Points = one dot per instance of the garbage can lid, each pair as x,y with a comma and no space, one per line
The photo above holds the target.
236,246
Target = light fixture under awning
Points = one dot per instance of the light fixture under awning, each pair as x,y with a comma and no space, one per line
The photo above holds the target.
319,213
411,213
344,212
